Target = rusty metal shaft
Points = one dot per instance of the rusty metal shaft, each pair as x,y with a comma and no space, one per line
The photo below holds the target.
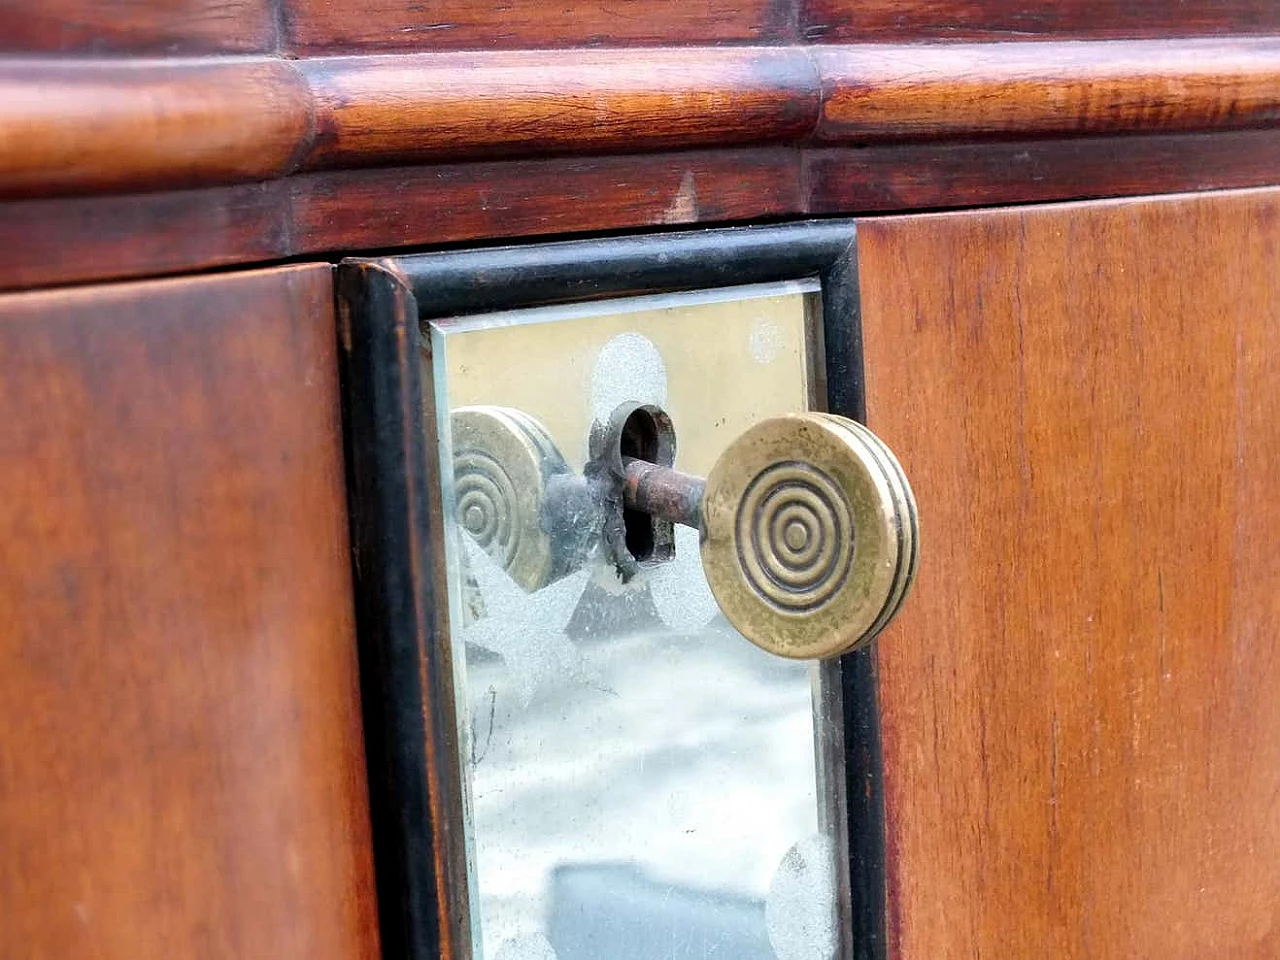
662,492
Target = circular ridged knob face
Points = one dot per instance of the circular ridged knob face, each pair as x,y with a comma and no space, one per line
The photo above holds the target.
503,464
809,535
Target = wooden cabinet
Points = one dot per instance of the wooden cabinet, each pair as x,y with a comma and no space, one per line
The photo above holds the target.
1066,279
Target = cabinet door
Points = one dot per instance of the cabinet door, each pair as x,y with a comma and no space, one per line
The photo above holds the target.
1080,705
181,763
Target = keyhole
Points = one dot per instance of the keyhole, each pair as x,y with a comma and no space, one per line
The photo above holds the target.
639,440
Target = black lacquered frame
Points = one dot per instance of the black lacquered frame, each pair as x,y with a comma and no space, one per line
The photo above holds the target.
397,538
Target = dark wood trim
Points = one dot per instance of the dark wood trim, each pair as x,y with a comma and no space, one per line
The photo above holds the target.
415,790
456,283
99,126
158,27
843,21
323,26
335,213
945,175
301,28
82,239
462,282
385,207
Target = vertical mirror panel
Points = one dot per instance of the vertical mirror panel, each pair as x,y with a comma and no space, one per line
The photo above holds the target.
643,783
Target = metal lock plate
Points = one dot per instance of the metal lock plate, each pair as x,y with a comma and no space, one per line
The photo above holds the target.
638,775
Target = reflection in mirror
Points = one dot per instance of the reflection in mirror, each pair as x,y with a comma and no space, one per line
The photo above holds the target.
643,783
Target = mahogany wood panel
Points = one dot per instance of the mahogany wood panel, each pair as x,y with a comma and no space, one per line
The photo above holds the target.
337,213
65,239
316,26
855,20
431,106
368,209
904,92
137,26
93,126
936,175
182,768
1080,703
323,25
68,239
76,126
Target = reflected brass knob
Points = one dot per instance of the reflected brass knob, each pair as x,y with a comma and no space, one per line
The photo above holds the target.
504,464
810,536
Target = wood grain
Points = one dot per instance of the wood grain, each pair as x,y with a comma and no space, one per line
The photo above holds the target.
137,26
66,239
318,25
926,20
920,176
182,768
77,126
61,240
906,92
398,207
1080,703
432,106
69,126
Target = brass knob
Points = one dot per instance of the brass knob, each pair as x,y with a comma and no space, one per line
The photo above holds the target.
810,536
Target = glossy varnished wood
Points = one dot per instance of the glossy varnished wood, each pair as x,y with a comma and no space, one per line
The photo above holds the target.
319,25
960,90
85,126
58,240
528,103
1081,701
931,20
307,27
339,212
939,175
368,209
64,239
137,26
96,126
182,767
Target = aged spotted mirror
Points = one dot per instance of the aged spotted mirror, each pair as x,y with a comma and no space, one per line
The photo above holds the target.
639,775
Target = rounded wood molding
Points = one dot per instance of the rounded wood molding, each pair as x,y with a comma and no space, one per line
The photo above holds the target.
81,126
98,126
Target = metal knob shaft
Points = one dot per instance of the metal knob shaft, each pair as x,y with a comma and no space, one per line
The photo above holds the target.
809,531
